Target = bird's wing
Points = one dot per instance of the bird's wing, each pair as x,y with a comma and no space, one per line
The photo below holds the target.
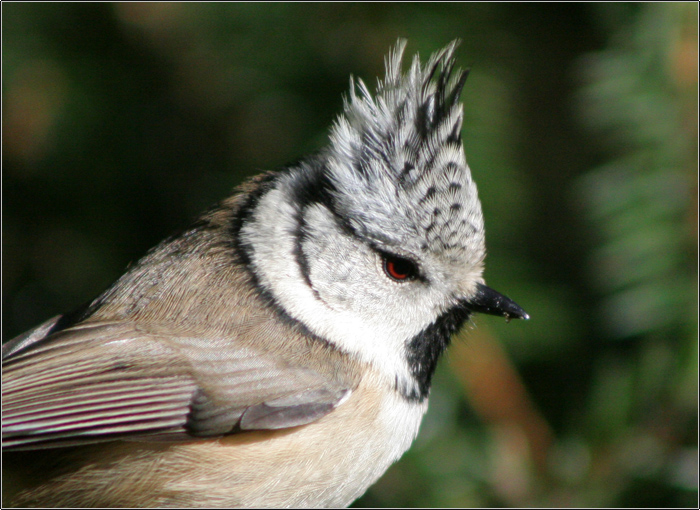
103,381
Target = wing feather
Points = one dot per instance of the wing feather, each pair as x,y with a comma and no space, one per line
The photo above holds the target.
105,381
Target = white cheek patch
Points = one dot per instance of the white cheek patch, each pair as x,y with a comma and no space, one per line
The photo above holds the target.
349,304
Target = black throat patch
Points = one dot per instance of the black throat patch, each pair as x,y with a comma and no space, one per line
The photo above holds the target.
425,348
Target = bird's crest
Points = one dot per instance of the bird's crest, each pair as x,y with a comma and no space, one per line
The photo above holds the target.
397,161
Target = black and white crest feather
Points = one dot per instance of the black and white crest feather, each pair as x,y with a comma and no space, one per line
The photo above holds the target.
398,162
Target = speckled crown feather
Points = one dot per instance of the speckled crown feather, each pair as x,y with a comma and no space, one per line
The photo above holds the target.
397,160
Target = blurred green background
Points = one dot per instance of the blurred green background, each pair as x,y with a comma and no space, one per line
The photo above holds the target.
121,122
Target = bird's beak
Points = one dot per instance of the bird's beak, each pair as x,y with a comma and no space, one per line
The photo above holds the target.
489,301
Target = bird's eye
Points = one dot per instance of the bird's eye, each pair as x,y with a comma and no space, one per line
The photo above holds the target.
398,268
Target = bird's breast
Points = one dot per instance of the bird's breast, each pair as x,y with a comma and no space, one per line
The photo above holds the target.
328,463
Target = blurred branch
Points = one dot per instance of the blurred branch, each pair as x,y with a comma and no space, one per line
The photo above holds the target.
521,436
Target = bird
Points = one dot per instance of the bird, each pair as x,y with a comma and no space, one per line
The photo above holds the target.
279,351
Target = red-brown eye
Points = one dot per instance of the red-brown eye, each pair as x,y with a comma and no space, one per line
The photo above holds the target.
398,268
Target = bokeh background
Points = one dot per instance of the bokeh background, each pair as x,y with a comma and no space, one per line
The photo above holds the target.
121,122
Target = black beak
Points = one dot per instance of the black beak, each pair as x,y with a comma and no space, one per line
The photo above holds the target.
489,301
